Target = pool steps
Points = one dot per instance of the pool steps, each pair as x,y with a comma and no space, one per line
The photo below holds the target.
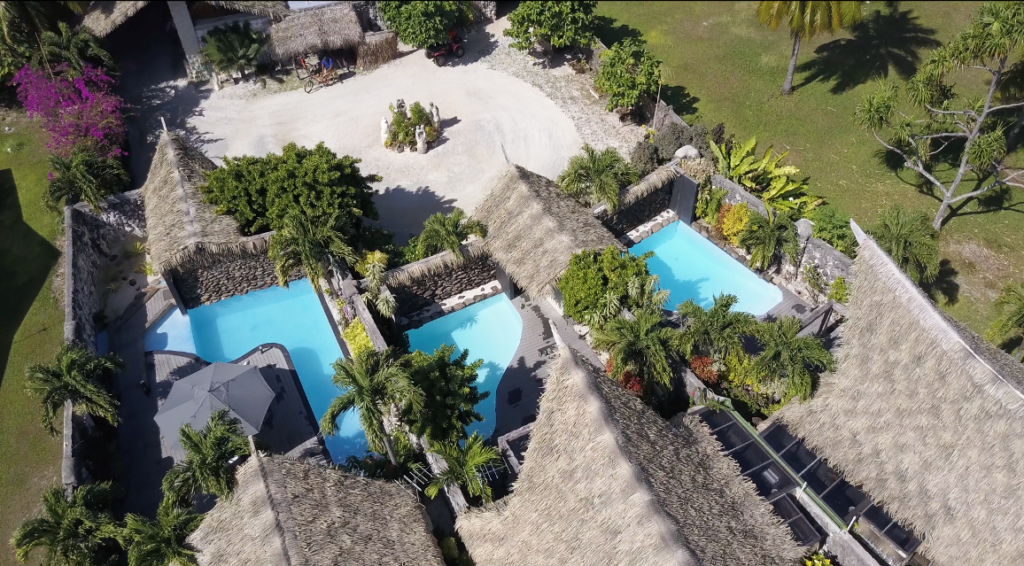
451,304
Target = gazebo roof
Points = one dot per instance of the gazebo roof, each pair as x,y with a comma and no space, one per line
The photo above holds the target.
103,17
323,28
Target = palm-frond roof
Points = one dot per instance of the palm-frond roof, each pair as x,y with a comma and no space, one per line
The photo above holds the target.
334,26
103,17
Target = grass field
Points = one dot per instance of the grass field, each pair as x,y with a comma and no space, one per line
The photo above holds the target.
31,327
720,65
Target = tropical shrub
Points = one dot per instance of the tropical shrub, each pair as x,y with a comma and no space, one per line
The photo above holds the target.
789,358
838,291
632,383
466,464
1009,323
234,48
704,368
723,211
161,542
669,139
77,376
715,332
644,158
74,47
561,24
424,24
599,284
373,266
447,232
640,346
402,131
372,465
709,202
814,279
308,243
357,339
76,531
733,222
817,559
833,227
784,193
207,455
628,71
84,175
699,140
910,240
739,163
597,177
259,192
450,394
767,238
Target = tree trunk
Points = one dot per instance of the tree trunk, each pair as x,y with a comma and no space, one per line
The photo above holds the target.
387,446
787,87
940,215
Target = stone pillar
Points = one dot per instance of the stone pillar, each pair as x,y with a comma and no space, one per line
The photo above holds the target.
684,198
183,23
507,285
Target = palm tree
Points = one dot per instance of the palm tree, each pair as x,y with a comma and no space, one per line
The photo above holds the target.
308,242
715,332
465,463
86,176
806,20
640,346
373,266
768,237
75,531
34,18
789,357
447,232
161,542
77,376
208,453
911,241
236,47
1010,322
371,382
597,177
76,47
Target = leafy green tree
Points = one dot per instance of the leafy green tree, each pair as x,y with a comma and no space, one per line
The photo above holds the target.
628,71
806,20
74,47
449,394
79,531
161,542
558,24
373,266
598,284
235,47
371,465
641,346
464,466
716,332
371,382
77,376
259,192
424,24
949,141
767,238
447,232
1009,325
911,242
834,227
597,177
207,454
309,242
86,176
789,357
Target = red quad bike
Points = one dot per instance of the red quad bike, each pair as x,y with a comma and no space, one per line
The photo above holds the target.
440,53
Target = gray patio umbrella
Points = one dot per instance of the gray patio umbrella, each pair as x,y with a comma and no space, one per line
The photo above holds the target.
239,389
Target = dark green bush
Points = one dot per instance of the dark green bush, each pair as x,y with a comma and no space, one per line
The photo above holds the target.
644,158
628,71
669,139
402,132
424,24
834,228
699,139
594,274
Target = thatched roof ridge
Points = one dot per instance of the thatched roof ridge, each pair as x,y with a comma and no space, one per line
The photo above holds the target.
607,481
289,512
533,228
178,221
925,416
652,182
104,16
334,26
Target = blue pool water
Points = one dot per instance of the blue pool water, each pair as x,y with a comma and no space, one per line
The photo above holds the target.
691,267
293,317
491,331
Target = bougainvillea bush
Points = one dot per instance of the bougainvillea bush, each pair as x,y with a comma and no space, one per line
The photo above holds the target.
74,111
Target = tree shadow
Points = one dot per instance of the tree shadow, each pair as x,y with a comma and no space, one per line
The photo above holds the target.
886,39
609,33
680,99
26,259
945,285
403,211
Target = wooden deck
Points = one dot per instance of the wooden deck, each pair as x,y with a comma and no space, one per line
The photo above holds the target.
791,305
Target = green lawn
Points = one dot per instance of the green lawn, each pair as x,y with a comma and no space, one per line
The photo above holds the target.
31,327
720,65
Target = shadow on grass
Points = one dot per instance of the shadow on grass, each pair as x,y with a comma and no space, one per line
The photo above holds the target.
886,39
26,259
945,285
403,210
680,99
609,33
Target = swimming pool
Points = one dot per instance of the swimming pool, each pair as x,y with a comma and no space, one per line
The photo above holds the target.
491,331
691,267
293,317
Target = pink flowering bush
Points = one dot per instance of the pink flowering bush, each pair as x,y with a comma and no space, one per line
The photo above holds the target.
74,111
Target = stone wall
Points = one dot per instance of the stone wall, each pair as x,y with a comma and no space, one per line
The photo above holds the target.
831,262
432,288
225,275
737,194
484,11
626,219
81,277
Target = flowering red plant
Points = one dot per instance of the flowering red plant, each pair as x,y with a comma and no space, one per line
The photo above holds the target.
632,383
704,369
80,110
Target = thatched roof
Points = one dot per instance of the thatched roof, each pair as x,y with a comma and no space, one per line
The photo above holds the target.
926,416
607,481
289,512
652,182
178,221
533,228
333,26
105,16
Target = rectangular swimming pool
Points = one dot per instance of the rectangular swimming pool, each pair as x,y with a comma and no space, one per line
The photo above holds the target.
691,267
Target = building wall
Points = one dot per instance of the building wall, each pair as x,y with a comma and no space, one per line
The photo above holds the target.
424,291
224,275
628,218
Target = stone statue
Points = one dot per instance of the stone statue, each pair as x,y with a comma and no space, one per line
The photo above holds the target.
435,114
384,126
400,106
421,139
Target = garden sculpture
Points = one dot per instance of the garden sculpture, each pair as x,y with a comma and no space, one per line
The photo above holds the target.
384,126
421,139
435,114
400,106
687,152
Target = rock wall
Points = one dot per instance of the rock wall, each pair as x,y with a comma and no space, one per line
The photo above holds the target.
230,274
484,11
831,262
636,214
81,277
422,292
738,194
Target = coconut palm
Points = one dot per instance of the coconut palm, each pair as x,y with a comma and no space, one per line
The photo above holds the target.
768,237
597,177
715,332
1010,322
161,542
75,531
447,232
236,47
308,242
806,20
789,357
371,382
464,466
73,46
18,19
373,266
911,241
640,346
86,176
208,453
77,376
